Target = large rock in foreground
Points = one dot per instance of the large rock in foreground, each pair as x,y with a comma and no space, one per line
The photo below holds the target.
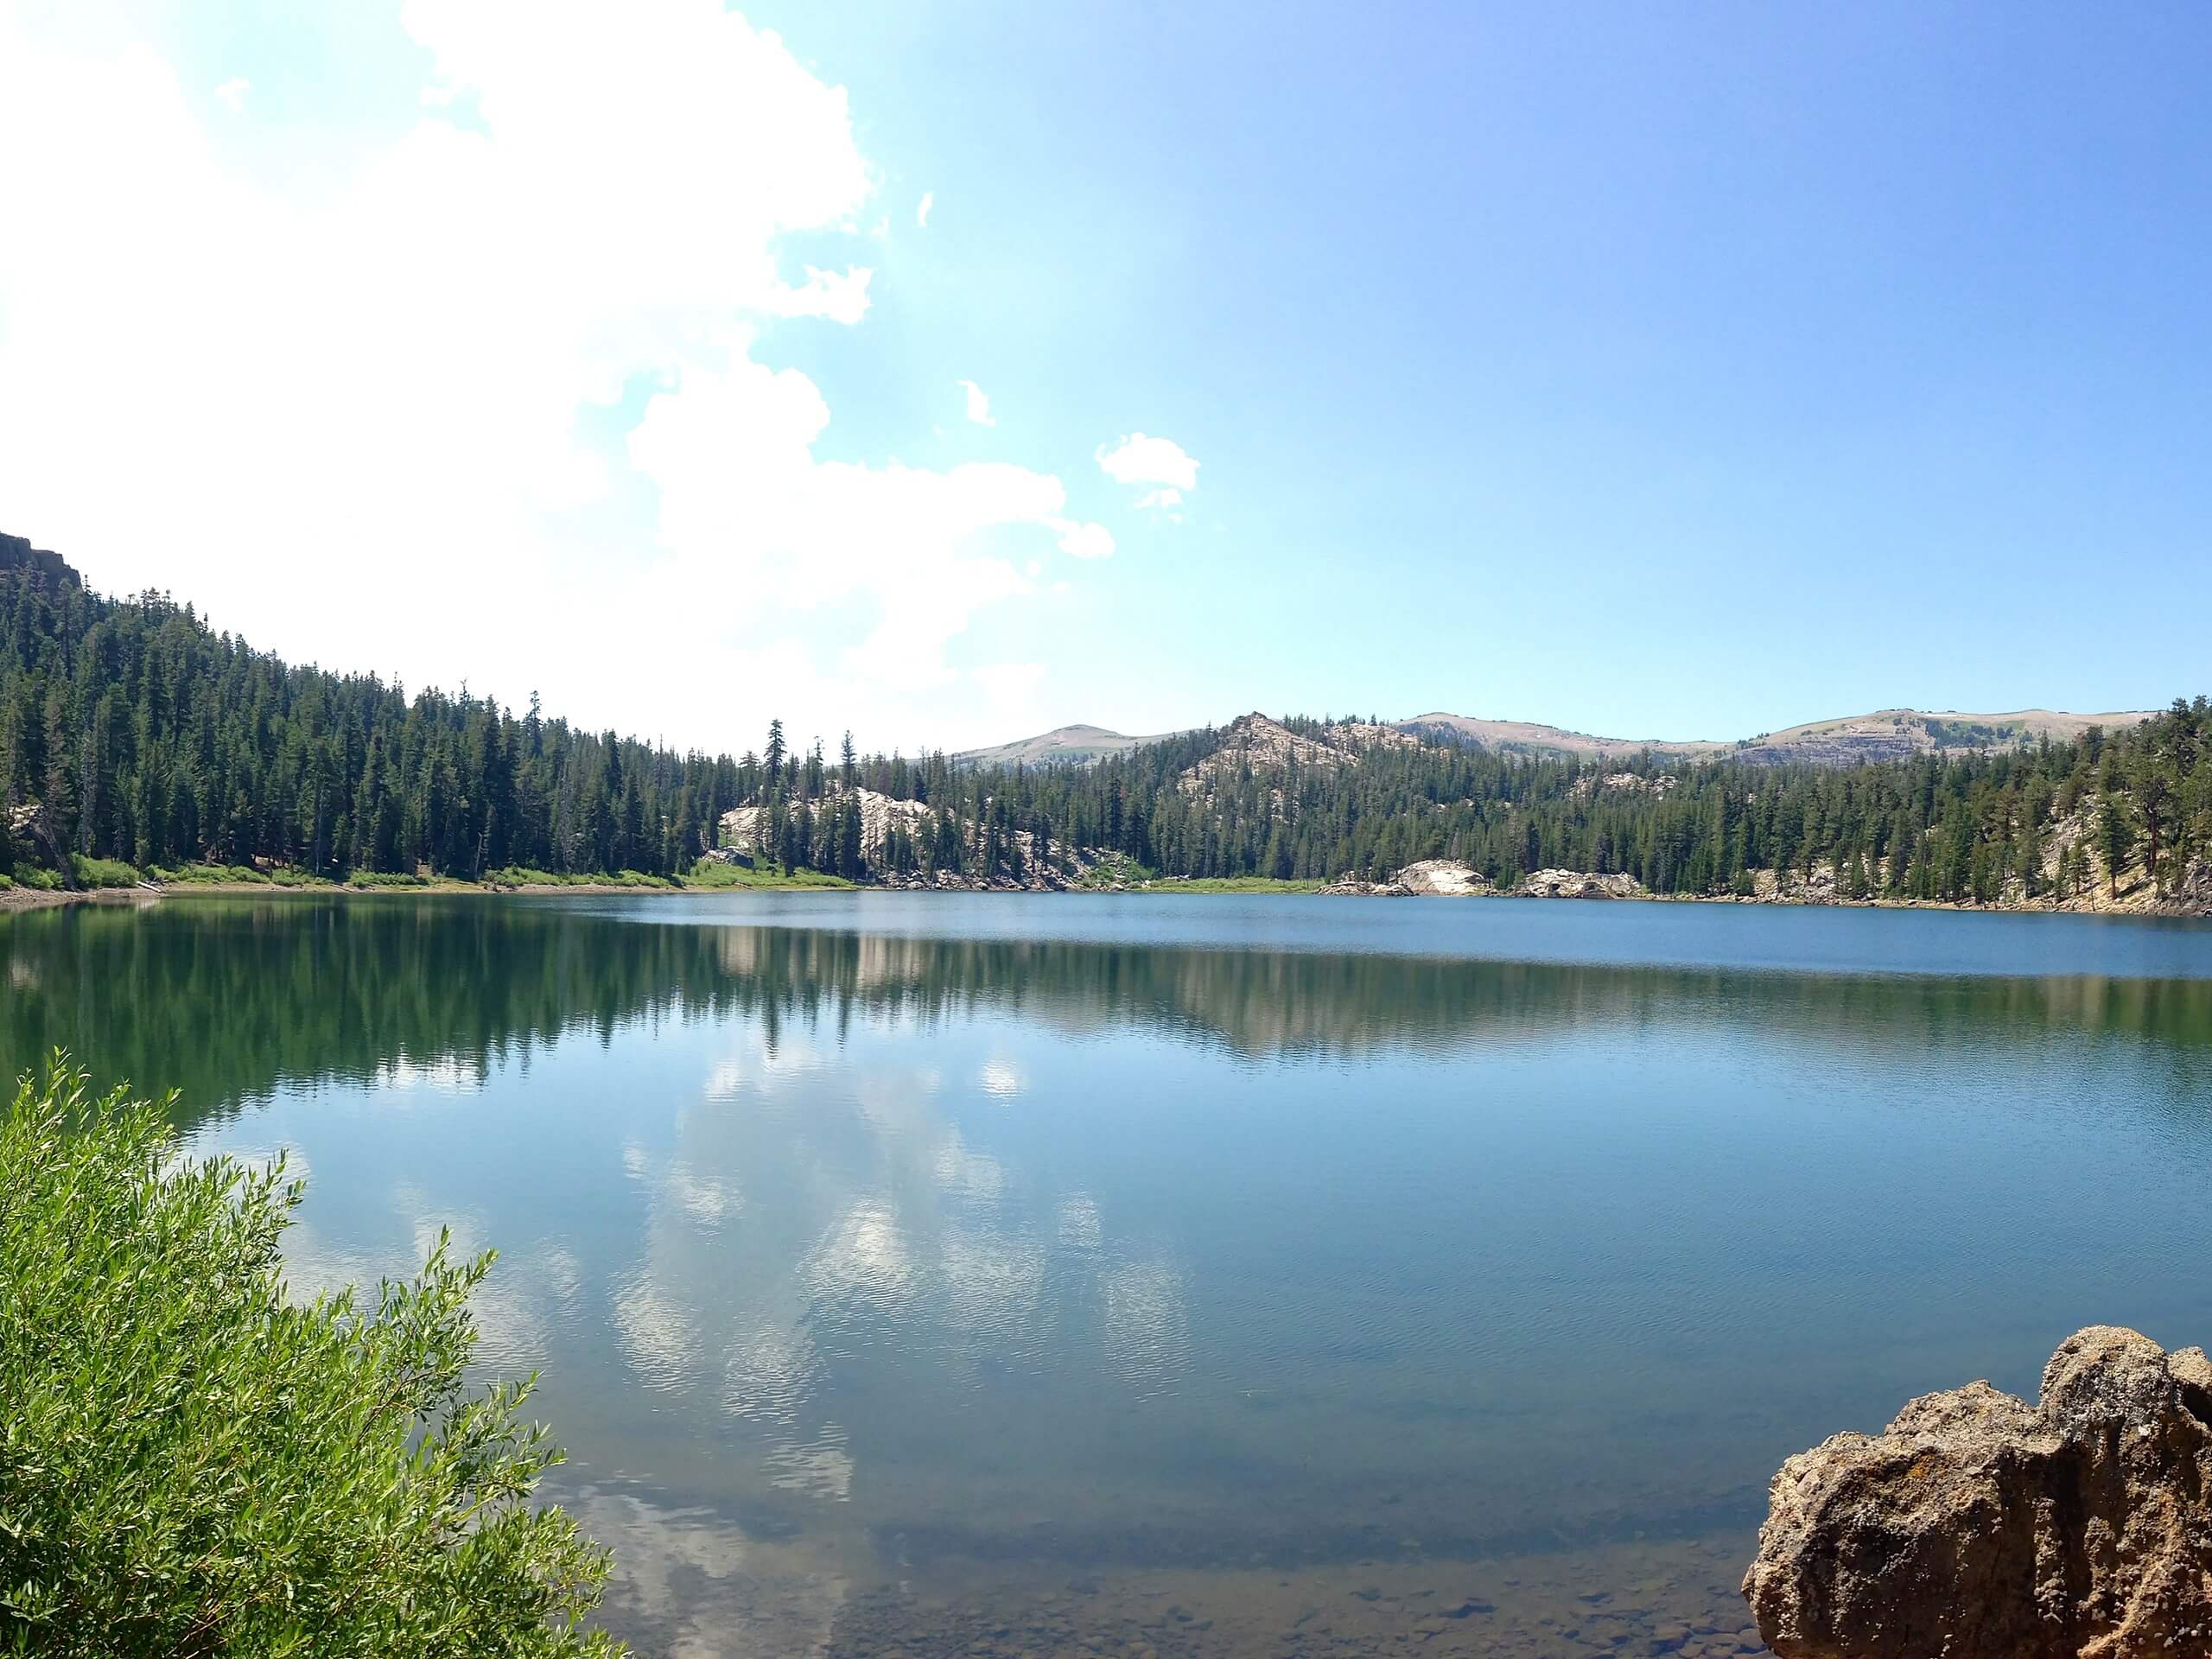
1978,1527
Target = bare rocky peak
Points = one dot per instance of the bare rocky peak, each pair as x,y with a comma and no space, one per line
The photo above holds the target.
1070,745
1978,1527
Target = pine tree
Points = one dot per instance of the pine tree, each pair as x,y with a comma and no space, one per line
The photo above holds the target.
2115,836
773,756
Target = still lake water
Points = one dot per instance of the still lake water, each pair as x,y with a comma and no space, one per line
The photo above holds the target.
979,1274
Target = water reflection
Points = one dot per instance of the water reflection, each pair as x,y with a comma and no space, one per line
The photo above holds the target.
431,993
907,1291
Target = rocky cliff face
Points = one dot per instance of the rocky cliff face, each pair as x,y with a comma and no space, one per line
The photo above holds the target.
1980,1527
17,554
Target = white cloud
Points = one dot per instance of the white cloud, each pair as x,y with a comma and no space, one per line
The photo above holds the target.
231,94
751,519
361,418
839,296
1139,459
922,210
1082,541
979,406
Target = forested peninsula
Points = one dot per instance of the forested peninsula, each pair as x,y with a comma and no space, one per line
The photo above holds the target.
138,745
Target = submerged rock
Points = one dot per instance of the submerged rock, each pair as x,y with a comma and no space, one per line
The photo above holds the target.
1980,1527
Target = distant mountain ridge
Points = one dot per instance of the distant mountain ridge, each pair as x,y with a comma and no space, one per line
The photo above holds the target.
1884,734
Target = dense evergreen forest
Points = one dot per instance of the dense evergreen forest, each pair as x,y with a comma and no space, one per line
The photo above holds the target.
147,738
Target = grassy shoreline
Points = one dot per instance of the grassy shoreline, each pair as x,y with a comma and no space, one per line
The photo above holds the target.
1221,884
107,882
122,887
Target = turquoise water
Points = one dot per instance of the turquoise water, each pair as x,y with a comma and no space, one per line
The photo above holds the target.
978,1274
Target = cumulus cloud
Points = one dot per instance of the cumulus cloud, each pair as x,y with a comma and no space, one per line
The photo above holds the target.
359,417
979,405
1138,461
922,210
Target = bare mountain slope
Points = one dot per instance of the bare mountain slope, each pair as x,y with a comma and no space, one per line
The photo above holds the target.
1895,733
1525,737
1886,734
1070,745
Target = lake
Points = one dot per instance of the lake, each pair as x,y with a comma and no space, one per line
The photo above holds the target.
1123,1275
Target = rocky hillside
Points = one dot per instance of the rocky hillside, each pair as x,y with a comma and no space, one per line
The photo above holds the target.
1253,744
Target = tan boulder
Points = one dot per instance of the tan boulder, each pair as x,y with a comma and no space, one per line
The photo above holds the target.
1444,878
1980,1527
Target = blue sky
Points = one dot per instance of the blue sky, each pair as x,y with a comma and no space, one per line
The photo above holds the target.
1671,370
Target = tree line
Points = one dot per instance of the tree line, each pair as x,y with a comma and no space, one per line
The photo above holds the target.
148,738
1959,828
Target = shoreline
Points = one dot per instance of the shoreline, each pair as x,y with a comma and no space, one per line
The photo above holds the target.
15,899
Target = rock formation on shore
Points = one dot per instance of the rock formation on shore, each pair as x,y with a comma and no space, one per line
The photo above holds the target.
1980,1527
1448,878
1444,878
1580,884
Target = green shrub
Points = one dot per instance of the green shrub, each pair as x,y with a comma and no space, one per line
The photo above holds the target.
193,1464
229,874
366,878
709,873
516,876
30,876
102,872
